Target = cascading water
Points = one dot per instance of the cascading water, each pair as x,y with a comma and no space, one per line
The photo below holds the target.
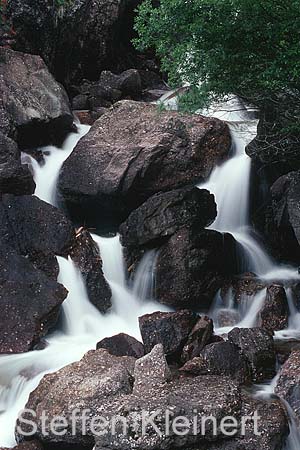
82,325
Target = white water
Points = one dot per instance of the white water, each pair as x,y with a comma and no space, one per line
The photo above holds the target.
82,325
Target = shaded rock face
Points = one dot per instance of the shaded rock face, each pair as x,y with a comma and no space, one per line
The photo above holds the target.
165,213
135,151
32,233
30,445
192,266
29,302
169,329
77,40
220,358
273,428
85,253
35,229
15,178
107,90
34,108
201,334
283,224
275,313
122,345
288,385
256,344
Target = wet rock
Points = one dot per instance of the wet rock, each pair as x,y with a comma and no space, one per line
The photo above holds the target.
151,370
275,313
227,317
15,178
244,286
85,253
216,396
128,83
192,266
221,358
34,109
257,345
122,345
165,213
272,427
200,335
99,383
283,225
169,329
288,385
135,151
284,347
29,301
79,39
35,229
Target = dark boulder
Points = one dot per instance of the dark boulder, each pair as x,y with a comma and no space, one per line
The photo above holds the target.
135,151
77,39
163,214
274,315
85,253
220,358
200,335
34,108
169,329
29,301
283,223
15,178
257,345
122,345
192,266
35,229
226,317
28,445
288,384
269,433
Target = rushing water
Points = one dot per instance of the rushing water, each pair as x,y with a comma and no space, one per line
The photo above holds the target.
82,325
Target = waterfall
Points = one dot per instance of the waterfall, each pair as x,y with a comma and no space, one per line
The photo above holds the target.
82,325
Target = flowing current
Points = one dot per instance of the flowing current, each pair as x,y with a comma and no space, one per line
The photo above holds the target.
82,326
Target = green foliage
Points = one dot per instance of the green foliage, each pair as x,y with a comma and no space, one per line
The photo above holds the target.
247,47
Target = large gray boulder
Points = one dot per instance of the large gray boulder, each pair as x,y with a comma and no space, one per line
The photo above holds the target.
134,151
34,108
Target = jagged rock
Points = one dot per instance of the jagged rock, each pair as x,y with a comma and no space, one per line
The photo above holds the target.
28,445
34,108
274,315
29,302
244,286
15,178
272,428
288,384
85,253
171,329
99,383
151,370
35,229
122,345
77,39
135,151
221,358
284,347
165,213
200,335
283,226
192,266
257,345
